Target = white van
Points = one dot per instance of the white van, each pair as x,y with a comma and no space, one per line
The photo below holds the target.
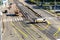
57,11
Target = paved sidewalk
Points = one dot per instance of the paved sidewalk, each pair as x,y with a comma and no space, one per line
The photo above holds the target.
9,31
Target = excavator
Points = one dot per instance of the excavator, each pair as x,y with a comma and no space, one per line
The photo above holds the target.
16,12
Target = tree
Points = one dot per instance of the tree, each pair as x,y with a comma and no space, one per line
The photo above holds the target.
31,1
37,2
0,2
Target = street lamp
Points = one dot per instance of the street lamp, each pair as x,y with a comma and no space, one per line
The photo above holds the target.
55,5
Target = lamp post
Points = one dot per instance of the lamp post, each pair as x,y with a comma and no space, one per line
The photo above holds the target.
55,5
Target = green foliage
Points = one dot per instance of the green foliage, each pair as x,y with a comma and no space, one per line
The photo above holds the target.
45,2
37,2
31,0
0,2
34,0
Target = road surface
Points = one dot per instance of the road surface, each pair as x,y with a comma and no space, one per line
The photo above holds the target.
19,28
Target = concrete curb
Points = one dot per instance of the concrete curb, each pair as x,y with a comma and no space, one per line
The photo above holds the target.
51,13
33,11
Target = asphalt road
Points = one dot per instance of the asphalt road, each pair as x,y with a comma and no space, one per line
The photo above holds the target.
17,29
55,21
31,15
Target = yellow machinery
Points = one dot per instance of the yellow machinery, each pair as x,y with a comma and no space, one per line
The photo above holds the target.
16,12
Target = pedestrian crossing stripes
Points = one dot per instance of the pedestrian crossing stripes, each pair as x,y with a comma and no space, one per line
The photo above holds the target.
13,19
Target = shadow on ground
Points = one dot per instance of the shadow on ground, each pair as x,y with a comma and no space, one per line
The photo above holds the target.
11,15
34,22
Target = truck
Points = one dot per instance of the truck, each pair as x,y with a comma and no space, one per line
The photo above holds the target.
40,20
